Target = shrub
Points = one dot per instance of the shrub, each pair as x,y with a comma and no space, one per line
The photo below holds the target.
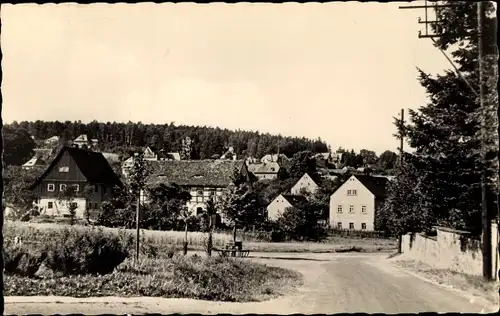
67,251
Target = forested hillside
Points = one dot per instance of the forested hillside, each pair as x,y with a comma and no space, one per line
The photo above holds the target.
207,141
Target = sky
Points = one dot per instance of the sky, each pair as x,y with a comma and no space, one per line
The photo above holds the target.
339,71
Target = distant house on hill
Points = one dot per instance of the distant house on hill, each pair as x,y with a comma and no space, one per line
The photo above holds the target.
355,203
83,142
34,163
305,183
54,140
279,158
282,202
229,154
265,170
152,153
79,168
204,179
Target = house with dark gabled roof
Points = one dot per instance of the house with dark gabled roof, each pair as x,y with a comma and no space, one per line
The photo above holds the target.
355,203
78,168
204,179
282,202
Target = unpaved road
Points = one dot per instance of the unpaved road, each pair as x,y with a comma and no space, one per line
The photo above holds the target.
333,283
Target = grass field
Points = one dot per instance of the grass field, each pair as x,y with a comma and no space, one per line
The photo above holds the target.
197,240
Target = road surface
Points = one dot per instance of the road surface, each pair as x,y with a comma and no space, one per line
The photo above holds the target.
333,283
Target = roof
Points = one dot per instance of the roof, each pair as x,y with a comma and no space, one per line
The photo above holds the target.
265,167
305,175
376,185
81,138
94,167
111,157
297,201
35,161
174,156
209,173
43,153
274,157
53,138
322,155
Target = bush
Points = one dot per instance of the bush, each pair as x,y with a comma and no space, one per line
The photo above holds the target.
216,279
65,251
301,224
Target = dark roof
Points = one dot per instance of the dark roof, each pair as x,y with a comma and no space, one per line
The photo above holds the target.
376,185
210,173
94,167
297,201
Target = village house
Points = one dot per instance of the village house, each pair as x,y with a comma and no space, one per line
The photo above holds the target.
34,163
229,154
282,202
305,183
83,142
205,179
54,140
279,158
265,170
355,203
78,168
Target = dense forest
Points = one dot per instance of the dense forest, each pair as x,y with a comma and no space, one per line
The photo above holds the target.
206,141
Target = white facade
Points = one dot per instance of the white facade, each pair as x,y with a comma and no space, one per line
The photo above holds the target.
54,207
305,183
352,206
277,207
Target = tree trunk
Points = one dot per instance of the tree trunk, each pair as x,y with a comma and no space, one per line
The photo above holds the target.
209,243
234,233
186,239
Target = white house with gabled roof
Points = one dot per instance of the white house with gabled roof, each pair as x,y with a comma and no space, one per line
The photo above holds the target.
305,183
355,203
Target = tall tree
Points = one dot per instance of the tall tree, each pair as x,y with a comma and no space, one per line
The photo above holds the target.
18,145
446,131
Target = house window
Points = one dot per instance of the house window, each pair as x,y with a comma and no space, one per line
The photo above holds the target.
73,204
351,225
351,209
62,187
339,225
363,225
96,188
77,187
354,192
363,209
51,187
64,169
351,192
200,192
199,199
50,205
339,208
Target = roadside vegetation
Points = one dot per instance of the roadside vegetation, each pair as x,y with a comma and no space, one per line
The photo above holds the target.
470,283
82,261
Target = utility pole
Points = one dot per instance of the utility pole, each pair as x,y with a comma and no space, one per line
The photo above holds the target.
401,138
137,237
486,224
487,273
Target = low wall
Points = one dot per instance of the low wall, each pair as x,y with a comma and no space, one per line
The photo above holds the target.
450,249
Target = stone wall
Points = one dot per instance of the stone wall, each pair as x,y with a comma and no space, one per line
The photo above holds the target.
451,249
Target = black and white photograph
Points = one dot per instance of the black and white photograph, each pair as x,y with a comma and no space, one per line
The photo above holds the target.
249,158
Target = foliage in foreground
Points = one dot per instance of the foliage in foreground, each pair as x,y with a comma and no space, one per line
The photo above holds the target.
218,279
28,251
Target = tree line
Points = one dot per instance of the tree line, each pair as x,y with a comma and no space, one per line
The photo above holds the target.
206,141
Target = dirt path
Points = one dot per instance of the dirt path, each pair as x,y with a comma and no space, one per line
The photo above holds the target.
333,283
